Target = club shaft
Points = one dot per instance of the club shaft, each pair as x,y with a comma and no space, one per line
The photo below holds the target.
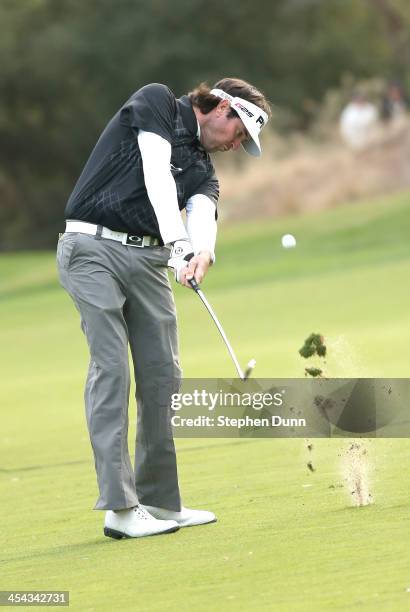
221,331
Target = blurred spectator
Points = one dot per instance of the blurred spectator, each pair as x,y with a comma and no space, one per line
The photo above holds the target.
394,103
358,121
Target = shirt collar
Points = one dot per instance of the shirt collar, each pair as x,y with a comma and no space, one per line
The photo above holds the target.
188,116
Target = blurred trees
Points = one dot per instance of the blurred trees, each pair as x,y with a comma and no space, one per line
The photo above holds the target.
67,65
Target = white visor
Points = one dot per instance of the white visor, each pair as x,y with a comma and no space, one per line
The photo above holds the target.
253,118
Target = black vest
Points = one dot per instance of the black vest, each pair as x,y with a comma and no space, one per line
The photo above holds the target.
111,189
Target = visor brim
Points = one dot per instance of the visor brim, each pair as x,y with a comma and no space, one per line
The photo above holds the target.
252,147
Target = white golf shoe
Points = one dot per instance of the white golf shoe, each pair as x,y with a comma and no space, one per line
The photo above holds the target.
185,518
135,523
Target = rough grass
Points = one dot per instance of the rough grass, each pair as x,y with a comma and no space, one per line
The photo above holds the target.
313,176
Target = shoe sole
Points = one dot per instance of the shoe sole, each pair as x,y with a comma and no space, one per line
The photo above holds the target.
119,535
181,525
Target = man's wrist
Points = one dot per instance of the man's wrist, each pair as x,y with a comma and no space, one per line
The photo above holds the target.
209,255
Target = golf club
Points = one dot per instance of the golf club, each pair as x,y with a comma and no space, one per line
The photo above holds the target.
251,364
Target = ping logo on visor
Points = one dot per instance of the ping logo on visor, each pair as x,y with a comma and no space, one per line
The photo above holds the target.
243,109
253,118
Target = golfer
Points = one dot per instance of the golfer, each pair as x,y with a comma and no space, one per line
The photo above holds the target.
123,230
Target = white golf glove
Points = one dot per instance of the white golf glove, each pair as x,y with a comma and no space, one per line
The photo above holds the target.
181,254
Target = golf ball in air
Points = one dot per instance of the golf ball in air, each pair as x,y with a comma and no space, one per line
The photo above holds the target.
288,241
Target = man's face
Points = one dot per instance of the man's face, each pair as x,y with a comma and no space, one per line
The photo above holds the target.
222,133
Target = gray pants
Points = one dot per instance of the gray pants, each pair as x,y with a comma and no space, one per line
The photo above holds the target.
124,298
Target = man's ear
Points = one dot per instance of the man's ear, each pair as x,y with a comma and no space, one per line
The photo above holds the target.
222,107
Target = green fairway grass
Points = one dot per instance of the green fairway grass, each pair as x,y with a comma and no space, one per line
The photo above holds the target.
286,538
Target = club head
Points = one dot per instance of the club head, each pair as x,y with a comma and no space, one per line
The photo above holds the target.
249,368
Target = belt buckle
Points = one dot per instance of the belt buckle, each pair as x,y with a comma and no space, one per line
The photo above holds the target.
134,241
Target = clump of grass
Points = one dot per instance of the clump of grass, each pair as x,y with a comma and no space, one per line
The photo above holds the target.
314,345
314,372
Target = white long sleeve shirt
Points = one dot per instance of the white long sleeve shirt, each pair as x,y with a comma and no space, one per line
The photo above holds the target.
161,189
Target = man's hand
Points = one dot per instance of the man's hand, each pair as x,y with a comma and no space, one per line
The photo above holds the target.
181,254
197,268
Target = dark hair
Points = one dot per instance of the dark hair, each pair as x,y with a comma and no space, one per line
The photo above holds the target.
202,98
